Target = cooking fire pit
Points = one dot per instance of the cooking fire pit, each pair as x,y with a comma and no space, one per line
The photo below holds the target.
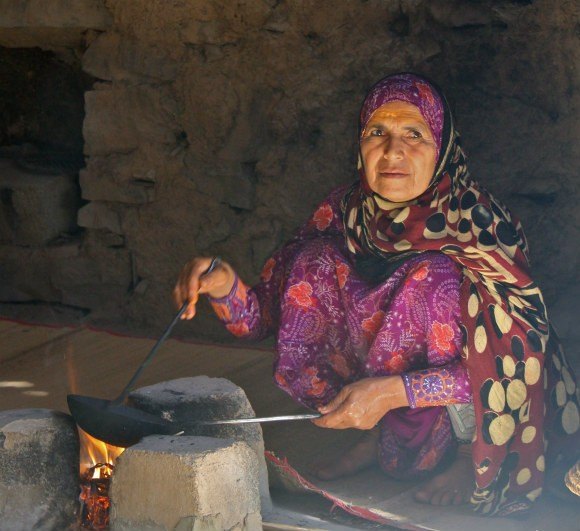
193,478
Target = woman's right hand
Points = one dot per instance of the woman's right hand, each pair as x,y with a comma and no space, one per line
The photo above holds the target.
192,282
362,404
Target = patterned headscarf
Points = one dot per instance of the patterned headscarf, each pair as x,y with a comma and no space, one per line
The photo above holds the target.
506,335
410,89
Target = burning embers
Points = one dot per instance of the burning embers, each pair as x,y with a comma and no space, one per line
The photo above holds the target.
97,462
94,497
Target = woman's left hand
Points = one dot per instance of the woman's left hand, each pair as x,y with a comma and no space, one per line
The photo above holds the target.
362,404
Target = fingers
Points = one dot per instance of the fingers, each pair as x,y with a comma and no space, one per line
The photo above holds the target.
457,498
357,405
334,420
446,498
194,279
335,402
188,285
344,412
343,418
191,290
179,291
333,416
217,278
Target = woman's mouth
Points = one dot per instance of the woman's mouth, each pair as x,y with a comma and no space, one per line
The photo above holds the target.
395,174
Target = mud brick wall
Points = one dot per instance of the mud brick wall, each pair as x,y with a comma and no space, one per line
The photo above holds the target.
214,127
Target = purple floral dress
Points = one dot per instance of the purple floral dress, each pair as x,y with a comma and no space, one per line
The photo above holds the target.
334,328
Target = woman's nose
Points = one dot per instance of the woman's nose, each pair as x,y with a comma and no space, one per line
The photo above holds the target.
393,148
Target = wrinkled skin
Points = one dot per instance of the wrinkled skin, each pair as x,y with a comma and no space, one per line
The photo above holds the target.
398,152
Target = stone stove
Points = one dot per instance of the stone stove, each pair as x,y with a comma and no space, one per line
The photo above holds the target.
205,478
39,483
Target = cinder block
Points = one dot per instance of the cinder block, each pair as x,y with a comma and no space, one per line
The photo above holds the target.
187,400
36,208
39,470
185,484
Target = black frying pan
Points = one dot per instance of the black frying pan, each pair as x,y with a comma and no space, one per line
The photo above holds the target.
115,423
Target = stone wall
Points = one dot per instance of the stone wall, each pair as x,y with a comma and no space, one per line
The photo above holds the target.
215,127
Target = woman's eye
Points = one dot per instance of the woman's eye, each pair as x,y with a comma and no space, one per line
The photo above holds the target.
415,134
376,132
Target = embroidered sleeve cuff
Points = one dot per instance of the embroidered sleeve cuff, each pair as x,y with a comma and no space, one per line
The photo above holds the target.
437,386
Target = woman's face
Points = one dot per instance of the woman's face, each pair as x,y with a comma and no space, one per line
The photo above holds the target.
398,152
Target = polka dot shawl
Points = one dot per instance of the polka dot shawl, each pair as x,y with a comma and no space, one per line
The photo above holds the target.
514,360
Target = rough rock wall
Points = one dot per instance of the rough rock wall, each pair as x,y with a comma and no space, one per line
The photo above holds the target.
216,127
219,125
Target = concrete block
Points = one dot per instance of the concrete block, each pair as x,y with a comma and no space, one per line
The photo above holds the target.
36,208
39,470
185,484
186,401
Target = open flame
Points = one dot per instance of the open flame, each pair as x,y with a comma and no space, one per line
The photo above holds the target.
97,462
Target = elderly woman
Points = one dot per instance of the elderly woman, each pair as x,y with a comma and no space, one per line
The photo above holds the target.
405,296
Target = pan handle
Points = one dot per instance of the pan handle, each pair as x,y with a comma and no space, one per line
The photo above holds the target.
252,420
121,398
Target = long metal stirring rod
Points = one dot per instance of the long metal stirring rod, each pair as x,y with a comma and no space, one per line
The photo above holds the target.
121,398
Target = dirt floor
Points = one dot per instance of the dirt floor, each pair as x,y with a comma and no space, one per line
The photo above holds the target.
40,365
